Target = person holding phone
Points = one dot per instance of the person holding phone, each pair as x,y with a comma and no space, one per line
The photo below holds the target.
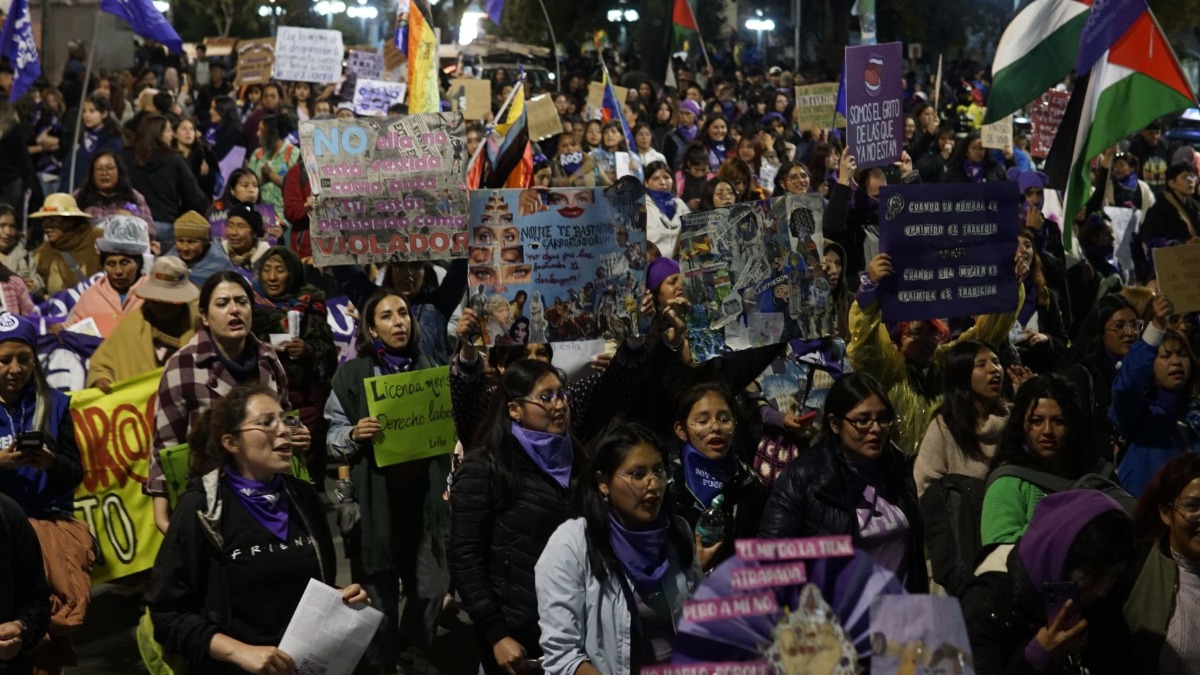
1047,604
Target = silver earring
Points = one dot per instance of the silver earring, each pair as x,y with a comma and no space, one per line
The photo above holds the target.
604,496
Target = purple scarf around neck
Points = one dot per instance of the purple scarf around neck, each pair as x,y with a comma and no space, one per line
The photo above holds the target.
976,171
642,553
665,201
391,363
267,503
553,454
688,134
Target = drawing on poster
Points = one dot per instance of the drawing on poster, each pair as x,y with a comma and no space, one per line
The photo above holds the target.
556,265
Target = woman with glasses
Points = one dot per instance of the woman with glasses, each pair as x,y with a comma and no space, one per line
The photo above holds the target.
223,354
611,584
1104,339
515,487
792,179
107,190
1165,599
855,482
718,193
394,500
708,475
244,542
664,211
1156,401
1048,436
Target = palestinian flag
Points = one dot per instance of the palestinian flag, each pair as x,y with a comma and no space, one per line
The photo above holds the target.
684,24
1037,50
1136,81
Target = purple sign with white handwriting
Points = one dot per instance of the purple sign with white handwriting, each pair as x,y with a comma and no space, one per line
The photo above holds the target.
953,249
874,110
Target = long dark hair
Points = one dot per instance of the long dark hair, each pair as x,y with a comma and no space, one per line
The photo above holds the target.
710,189
89,194
1036,273
958,410
608,452
365,344
227,198
845,395
148,144
736,168
1161,492
1079,446
210,287
1088,347
227,111
109,124
223,418
692,396
494,436
959,154
781,176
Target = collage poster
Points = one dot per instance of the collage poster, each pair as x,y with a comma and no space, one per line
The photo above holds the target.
557,265
752,273
387,189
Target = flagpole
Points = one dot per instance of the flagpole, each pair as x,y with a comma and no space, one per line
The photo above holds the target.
553,45
87,78
492,127
700,38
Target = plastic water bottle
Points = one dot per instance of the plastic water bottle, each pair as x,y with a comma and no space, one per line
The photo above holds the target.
712,523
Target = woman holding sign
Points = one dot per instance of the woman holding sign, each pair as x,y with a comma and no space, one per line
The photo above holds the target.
393,499
243,545
612,583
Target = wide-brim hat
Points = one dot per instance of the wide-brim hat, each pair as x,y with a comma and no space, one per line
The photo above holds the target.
168,281
59,204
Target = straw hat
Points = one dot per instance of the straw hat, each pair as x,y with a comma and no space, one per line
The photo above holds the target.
60,204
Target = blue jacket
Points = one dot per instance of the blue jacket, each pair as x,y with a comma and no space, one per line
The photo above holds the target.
1154,433
42,492
214,261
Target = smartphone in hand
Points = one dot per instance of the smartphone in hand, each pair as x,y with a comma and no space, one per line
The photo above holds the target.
1056,594
30,442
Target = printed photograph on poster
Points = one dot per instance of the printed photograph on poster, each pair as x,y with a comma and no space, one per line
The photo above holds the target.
874,111
387,189
953,250
742,272
557,265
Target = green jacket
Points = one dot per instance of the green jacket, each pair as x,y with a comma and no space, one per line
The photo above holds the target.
1007,509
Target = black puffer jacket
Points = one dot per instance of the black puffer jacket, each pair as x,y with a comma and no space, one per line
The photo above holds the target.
745,497
816,495
495,545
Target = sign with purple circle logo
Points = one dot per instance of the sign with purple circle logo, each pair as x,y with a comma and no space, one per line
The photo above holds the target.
874,108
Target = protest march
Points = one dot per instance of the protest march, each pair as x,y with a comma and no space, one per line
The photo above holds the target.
696,337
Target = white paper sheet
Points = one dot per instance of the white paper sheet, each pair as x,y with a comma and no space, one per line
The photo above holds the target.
325,636
623,165
575,358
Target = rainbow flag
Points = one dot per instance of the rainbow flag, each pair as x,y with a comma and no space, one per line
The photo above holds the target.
423,94
611,108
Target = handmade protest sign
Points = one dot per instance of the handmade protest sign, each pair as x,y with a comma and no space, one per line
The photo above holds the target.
374,97
365,64
415,413
556,265
874,111
471,96
748,284
997,135
952,249
595,99
1045,116
256,61
387,189
543,118
1176,267
308,54
815,105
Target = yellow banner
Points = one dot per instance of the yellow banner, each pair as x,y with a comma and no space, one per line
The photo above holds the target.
115,432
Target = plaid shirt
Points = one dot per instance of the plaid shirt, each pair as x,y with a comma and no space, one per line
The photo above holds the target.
192,380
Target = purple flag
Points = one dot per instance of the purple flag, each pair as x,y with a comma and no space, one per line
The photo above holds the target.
494,8
1107,21
874,112
146,21
952,248
20,49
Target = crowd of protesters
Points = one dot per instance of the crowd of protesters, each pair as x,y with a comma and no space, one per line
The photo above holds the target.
990,458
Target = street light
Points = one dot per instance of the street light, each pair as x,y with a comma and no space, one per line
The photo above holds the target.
760,24
272,10
162,6
621,16
468,28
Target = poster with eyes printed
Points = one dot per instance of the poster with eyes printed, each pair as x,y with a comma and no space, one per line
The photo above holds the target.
557,265
753,275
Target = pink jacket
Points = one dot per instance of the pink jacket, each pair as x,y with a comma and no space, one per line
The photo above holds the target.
103,304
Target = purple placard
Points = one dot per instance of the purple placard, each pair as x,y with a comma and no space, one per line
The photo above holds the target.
953,249
874,112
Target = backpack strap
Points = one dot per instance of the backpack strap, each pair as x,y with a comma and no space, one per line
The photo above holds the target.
1046,481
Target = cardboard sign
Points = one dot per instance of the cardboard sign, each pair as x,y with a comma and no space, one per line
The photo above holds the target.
814,107
556,265
387,189
1176,267
542,117
471,96
595,99
256,61
915,51
952,246
365,64
308,55
374,97
415,412
998,135
1045,116
874,109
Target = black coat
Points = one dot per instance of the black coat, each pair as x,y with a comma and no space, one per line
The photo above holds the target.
494,546
24,593
816,495
745,497
168,184
1004,612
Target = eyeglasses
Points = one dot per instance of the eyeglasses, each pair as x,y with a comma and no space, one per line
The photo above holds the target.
270,423
547,398
718,421
863,425
1127,327
1189,508
641,478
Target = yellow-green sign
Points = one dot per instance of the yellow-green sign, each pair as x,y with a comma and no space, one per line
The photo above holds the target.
814,107
415,412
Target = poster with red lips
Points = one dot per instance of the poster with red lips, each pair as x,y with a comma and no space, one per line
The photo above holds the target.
874,108
556,265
